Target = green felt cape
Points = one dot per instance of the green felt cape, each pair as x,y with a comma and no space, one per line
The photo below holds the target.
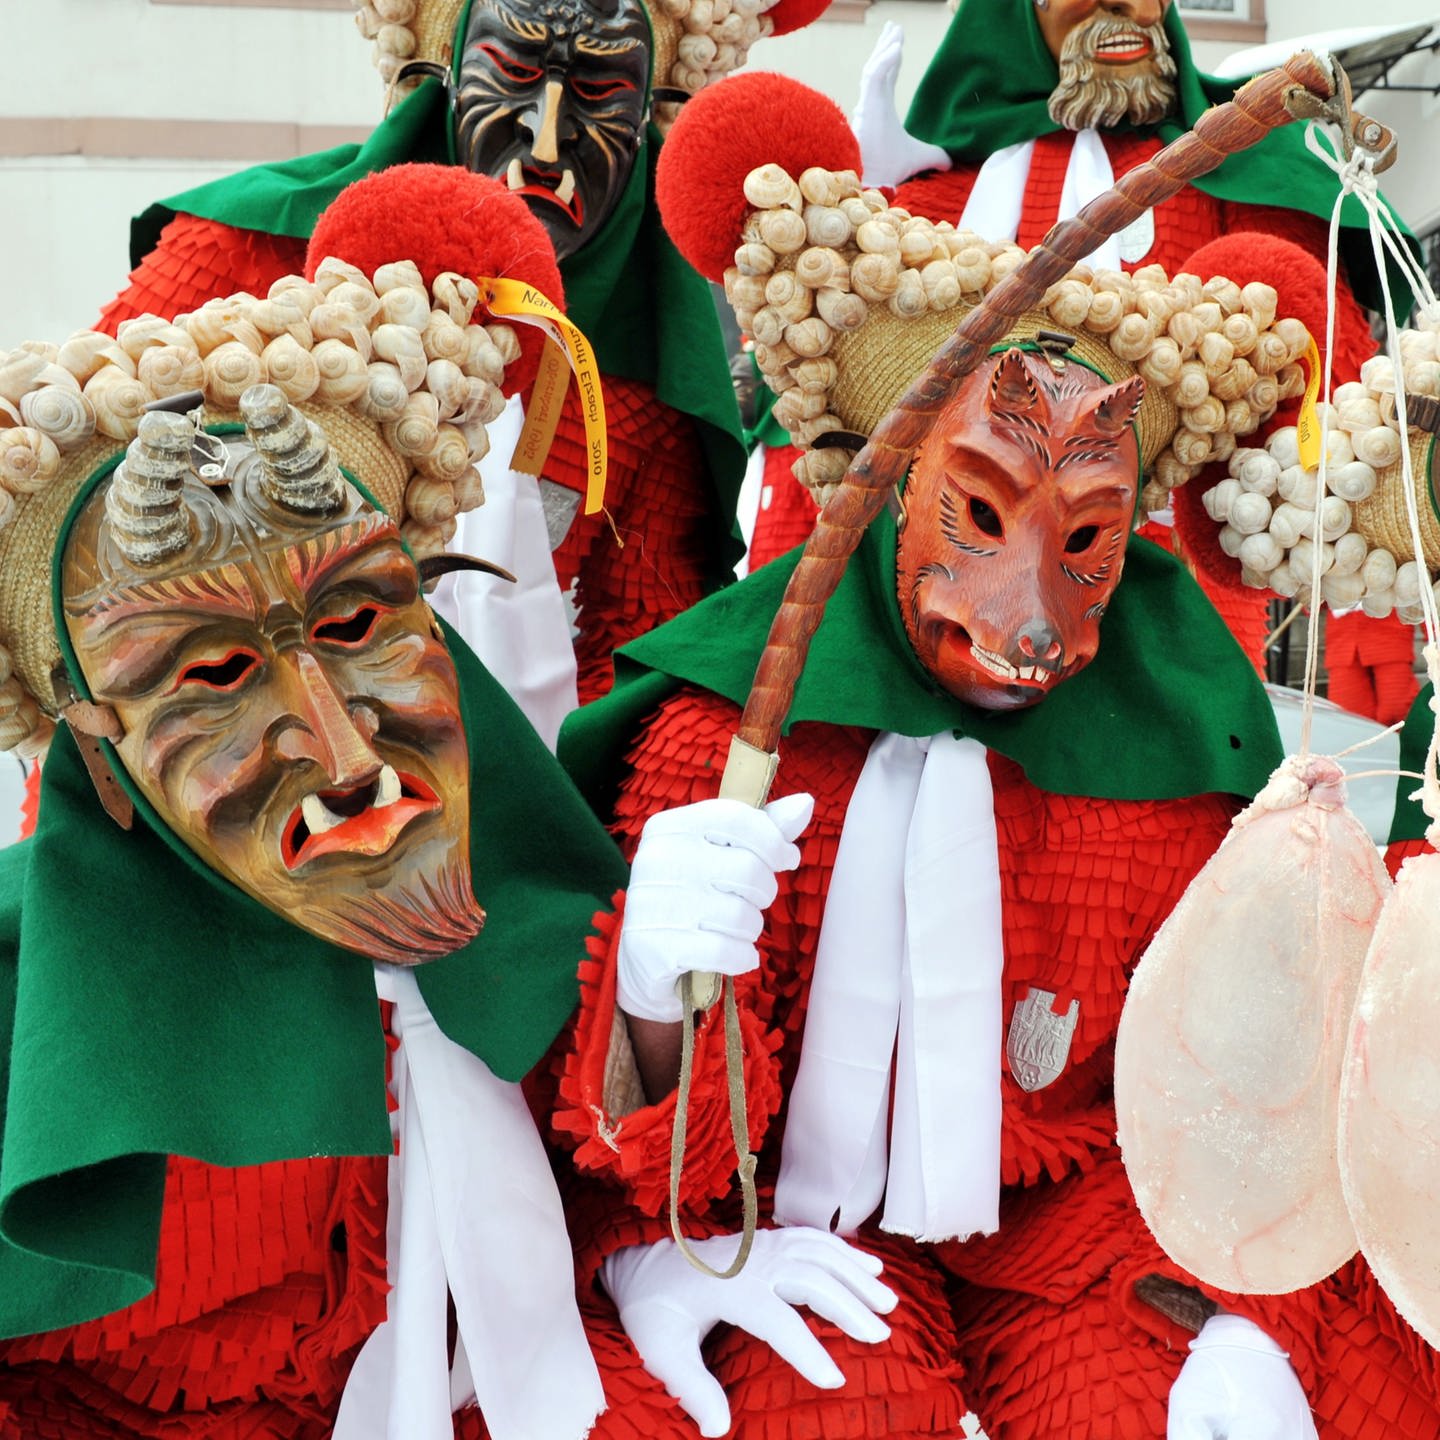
1410,821
649,316
1169,707
989,86
150,1008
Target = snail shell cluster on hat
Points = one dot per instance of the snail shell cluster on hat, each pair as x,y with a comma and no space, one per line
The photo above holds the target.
1363,549
821,258
398,374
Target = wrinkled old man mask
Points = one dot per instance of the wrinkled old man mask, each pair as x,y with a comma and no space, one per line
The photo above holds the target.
1115,62
1018,508
289,708
552,101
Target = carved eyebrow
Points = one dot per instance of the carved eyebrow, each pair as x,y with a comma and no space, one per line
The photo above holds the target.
594,46
223,591
314,560
534,31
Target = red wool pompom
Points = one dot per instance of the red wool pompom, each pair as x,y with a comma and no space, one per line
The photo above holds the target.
443,217
788,15
725,132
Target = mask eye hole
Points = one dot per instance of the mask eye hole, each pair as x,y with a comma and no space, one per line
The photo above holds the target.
349,630
510,67
984,518
1081,539
227,674
596,90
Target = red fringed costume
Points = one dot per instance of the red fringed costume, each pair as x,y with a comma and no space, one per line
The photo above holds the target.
641,564
1045,1334
1371,665
269,1279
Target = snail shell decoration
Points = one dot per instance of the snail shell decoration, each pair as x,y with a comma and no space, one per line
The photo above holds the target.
402,377
826,268
1363,548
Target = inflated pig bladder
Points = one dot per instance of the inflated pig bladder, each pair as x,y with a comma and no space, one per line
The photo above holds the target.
1390,1100
1231,1044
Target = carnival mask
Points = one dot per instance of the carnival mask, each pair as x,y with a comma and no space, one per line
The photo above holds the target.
1018,508
288,706
1115,62
552,101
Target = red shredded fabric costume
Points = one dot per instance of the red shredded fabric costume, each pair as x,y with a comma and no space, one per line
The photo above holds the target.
641,564
1371,665
269,1279
1045,1334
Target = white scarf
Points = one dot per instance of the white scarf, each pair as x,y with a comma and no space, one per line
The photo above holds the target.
910,947
993,209
473,1213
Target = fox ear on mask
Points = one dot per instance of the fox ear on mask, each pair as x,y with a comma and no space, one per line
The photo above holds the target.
1113,409
1011,386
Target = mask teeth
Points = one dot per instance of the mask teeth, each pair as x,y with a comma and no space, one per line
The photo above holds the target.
144,506
298,468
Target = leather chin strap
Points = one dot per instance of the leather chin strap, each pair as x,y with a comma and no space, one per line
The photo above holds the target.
90,724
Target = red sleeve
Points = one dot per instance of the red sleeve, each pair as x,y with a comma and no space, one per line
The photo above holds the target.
634,1148
197,260
646,557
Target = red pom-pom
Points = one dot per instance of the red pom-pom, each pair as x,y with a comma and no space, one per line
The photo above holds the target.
788,15
725,132
443,217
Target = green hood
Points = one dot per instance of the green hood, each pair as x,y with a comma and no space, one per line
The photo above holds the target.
149,1008
1169,707
989,86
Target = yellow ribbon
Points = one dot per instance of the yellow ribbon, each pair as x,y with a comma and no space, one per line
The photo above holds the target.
1307,427
515,300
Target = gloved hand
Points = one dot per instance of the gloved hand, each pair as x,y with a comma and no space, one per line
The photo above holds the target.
888,153
1237,1384
702,877
668,1307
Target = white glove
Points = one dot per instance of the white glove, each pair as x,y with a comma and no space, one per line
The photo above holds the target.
668,1307
702,877
888,153
1237,1384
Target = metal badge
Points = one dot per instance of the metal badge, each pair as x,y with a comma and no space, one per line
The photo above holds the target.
560,504
1038,1044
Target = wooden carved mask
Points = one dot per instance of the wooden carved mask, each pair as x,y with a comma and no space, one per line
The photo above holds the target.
552,100
288,705
1116,67
1018,509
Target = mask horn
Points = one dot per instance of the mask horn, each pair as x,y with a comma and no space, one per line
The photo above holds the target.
144,506
298,469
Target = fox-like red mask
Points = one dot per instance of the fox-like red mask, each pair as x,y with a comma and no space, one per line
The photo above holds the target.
1018,509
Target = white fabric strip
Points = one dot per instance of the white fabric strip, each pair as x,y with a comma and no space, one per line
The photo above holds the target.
910,947
995,204
520,631
473,1213
998,195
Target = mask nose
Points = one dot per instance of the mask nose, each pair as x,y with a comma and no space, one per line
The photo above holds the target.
546,147
1037,643
327,734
